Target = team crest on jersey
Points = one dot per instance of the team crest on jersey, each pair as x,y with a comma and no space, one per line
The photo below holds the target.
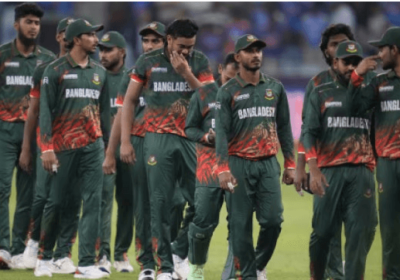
251,38
153,25
269,95
351,48
152,161
106,38
380,188
96,79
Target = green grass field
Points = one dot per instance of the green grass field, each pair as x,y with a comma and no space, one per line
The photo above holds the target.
289,262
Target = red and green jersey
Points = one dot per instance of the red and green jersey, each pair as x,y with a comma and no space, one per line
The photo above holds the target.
333,134
74,105
200,118
138,127
167,94
252,120
383,95
16,79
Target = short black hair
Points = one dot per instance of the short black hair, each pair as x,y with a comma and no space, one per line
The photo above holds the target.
25,9
332,30
230,58
182,28
71,43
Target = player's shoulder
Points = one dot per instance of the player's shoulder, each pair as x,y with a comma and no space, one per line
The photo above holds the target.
45,52
207,89
5,49
271,80
322,77
56,64
96,64
198,55
325,87
154,54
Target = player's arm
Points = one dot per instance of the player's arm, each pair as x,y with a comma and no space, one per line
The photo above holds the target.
284,130
48,92
223,119
312,130
105,113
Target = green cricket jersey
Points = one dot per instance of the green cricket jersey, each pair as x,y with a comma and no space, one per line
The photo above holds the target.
138,128
113,82
333,134
383,95
74,105
200,118
167,94
16,79
251,121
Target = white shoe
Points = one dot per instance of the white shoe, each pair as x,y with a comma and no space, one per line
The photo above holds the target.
123,266
164,276
5,260
344,267
147,274
17,262
262,274
43,268
90,272
175,276
104,265
181,267
63,266
30,254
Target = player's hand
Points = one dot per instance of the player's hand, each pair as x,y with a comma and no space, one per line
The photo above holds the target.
367,64
50,162
109,165
211,136
127,153
318,182
25,160
227,181
179,63
300,179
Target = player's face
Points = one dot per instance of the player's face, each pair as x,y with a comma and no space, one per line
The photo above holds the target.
151,42
250,58
181,45
28,29
110,57
60,39
345,66
228,72
333,42
388,58
89,42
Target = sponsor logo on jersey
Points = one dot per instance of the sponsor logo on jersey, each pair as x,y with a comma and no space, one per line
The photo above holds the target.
96,79
82,93
351,48
171,87
70,77
390,105
269,95
254,112
217,105
348,122
212,105
333,104
152,161
45,80
158,70
386,88
12,64
242,97
18,80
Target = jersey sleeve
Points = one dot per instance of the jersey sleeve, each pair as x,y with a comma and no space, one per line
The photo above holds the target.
223,121
204,73
194,121
284,130
138,73
49,90
123,86
309,89
362,99
312,126
105,114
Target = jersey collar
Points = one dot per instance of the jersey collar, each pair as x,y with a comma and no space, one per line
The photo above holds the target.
243,83
392,74
16,52
74,64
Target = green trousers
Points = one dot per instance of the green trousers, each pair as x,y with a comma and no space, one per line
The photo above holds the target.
258,190
10,148
70,213
350,198
334,263
388,177
80,172
169,158
177,211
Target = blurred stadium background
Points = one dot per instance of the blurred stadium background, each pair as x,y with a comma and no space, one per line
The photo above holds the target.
292,30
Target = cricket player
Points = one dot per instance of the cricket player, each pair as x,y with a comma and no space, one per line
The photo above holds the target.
74,129
331,37
382,95
112,56
200,126
341,162
168,77
18,60
62,256
252,116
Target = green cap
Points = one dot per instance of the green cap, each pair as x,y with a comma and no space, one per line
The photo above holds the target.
391,37
62,24
246,41
155,26
349,48
113,39
80,26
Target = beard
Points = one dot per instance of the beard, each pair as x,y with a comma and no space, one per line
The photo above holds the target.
25,40
343,78
109,65
249,68
388,65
